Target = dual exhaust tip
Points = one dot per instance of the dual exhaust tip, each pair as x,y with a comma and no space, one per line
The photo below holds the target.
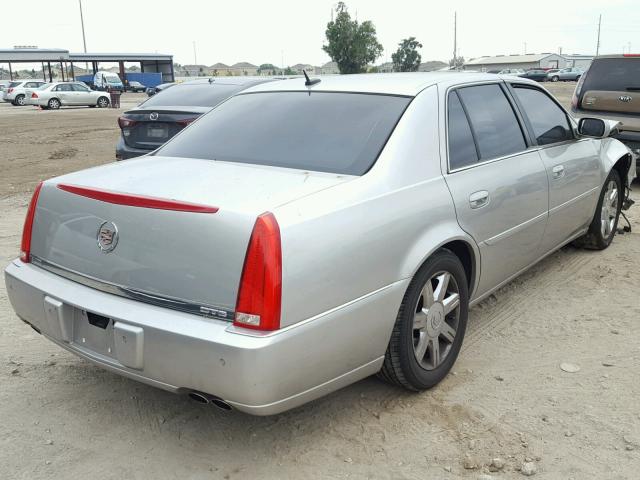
205,398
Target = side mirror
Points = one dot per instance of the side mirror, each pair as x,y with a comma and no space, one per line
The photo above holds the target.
592,127
598,128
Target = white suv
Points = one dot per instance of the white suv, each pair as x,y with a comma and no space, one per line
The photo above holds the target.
15,91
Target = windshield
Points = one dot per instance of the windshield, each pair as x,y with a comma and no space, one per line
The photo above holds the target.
112,79
340,133
194,95
618,74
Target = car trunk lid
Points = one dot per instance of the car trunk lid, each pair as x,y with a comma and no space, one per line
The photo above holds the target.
187,258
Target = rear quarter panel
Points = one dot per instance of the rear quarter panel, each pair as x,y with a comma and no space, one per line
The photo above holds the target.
341,244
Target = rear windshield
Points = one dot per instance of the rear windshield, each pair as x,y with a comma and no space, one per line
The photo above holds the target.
199,95
321,131
15,84
618,74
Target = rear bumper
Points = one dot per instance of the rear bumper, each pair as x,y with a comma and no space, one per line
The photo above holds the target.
124,151
180,352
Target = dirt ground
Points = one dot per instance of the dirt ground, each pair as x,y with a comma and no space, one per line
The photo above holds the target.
507,399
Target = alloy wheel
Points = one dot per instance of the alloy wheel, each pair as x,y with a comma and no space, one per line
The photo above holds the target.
435,320
609,210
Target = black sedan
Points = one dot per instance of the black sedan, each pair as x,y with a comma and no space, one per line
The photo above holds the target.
134,87
153,122
538,75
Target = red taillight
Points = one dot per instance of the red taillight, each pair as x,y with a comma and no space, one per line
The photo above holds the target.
34,95
124,122
631,55
10,90
260,292
186,121
25,248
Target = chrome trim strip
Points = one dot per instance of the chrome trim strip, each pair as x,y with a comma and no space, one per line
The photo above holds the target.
513,230
568,203
209,311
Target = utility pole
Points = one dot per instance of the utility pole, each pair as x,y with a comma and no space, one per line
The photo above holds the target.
598,44
455,40
525,47
195,57
84,39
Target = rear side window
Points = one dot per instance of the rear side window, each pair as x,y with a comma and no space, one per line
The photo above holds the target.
340,133
618,74
493,122
200,95
548,120
462,148
14,84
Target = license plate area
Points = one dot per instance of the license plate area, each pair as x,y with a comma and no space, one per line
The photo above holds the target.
157,131
93,332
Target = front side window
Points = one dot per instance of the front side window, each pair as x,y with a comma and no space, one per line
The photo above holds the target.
340,133
548,120
79,88
493,121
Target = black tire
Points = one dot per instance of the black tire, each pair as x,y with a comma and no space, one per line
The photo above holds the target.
599,237
53,104
401,365
103,102
555,78
19,100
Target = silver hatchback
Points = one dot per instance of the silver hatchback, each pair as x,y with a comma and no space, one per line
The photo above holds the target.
304,235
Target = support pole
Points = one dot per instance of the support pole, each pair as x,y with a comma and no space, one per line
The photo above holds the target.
10,72
50,75
44,74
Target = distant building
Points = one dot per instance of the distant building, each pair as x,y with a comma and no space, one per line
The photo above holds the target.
329,68
193,70
243,68
310,69
525,62
386,67
578,61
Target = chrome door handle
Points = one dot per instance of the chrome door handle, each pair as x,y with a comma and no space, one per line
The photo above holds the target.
479,199
558,171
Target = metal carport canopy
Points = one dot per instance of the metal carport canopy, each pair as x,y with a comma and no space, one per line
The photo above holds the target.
120,57
33,55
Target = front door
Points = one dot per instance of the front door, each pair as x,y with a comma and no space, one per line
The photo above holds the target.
572,165
498,184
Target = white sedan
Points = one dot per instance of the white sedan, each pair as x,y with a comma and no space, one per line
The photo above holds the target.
59,94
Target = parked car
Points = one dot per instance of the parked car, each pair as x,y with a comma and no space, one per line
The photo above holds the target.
150,124
62,94
15,91
538,75
566,74
610,88
510,71
135,87
151,91
304,235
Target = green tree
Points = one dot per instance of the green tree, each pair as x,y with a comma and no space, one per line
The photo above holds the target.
407,58
269,68
352,45
289,71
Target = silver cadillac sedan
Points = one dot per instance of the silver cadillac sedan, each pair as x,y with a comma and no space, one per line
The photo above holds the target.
307,234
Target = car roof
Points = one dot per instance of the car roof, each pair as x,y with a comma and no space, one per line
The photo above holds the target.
231,80
406,84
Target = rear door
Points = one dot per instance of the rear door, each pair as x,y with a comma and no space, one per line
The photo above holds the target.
498,183
66,94
572,165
